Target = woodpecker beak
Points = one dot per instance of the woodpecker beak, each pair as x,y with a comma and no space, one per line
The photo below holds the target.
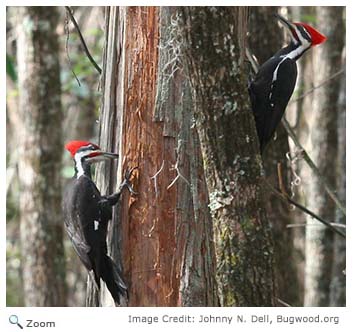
109,155
290,26
101,156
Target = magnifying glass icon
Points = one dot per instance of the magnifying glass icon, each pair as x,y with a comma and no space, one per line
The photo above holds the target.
13,319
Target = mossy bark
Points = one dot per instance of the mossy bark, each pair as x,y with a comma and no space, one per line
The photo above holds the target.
214,46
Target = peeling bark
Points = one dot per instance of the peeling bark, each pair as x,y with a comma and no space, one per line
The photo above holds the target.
40,150
214,45
163,235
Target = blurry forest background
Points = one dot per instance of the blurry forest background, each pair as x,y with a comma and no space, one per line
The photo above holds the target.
181,242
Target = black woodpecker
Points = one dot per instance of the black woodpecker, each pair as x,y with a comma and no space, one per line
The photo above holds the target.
86,217
275,81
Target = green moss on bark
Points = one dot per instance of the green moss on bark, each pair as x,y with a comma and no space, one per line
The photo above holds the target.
214,53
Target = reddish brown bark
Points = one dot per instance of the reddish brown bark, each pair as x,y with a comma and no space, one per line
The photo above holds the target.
148,236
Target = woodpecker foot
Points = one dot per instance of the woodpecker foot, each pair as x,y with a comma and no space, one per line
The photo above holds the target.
127,182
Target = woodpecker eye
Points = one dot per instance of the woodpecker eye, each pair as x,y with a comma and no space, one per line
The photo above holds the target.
94,147
304,33
88,148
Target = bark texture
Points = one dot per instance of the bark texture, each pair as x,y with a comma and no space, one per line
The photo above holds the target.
322,145
265,39
163,235
214,46
40,150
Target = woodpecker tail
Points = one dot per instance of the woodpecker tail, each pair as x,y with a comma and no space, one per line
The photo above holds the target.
112,276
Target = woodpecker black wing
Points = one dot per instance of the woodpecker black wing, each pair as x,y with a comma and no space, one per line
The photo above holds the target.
82,218
270,93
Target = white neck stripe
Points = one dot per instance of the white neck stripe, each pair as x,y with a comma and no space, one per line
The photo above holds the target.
296,52
78,164
304,44
292,55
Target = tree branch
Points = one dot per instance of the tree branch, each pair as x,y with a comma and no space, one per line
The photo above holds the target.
285,304
66,30
328,80
72,18
305,156
284,197
307,225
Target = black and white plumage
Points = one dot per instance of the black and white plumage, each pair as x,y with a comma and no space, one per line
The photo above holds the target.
273,85
86,217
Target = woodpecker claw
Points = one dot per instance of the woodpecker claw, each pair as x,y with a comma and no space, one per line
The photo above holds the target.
126,182
129,172
94,283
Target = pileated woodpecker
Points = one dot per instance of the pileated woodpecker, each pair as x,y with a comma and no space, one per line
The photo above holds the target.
86,216
273,85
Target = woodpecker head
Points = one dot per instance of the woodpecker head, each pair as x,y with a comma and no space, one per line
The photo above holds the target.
83,151
302,33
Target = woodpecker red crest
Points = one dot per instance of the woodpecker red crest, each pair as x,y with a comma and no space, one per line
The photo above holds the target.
74,146
302,34
316,37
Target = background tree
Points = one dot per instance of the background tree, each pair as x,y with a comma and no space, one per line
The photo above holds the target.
14,282
338,282
322,145
316,107
40,150
80,114
296,120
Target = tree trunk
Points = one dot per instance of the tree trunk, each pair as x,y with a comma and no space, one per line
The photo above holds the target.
322,122
338,282
265,39
40,150
164,234
214,46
